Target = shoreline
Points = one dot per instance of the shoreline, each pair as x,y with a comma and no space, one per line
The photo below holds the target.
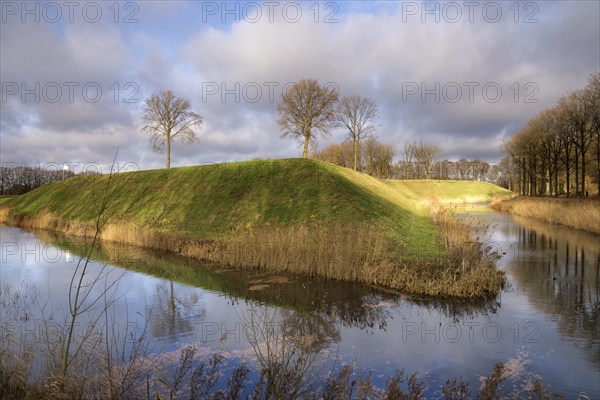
417,277
580,214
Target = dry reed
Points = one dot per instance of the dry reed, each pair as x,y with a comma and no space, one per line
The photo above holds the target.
350,252
581,214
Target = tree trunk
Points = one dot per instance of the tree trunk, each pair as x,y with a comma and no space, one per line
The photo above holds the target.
582,174
598,160
305,151
576,172
355,154
556,170
168,151
523,181
582,167
568,173
533,177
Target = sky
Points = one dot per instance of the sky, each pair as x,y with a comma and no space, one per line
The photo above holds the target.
463,75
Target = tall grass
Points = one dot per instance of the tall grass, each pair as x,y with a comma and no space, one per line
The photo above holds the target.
581,214
469,262
358,252
4,215
284,365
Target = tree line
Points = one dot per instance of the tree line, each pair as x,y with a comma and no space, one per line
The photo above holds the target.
308,109
558,151
419,160
19,179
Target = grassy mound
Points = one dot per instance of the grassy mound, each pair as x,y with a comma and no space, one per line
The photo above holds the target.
213,201
293,215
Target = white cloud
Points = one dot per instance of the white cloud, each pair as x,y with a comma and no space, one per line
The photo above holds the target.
371,51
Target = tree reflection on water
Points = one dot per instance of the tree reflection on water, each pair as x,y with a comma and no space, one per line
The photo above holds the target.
561,269
345,303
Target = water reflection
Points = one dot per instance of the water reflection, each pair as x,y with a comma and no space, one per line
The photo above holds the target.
560,268
171,314
548,312
348,304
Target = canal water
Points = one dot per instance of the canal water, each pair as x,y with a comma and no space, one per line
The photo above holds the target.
545,323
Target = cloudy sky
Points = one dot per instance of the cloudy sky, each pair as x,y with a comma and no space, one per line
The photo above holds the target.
463,75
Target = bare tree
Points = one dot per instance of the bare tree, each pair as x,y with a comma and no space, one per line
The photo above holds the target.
550,125
377,158
566,135
425,154
407,165
339,154
579,113
464,169
592,97
167,118
357,114
305,107
287,346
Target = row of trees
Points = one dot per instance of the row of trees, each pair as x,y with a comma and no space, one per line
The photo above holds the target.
308,108
368,156
419,161
558,151
551,154
17,179
465,170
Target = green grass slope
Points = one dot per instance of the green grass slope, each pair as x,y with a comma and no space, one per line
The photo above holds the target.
449,191
211,201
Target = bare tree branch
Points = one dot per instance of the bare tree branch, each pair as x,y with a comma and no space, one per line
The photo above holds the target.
357,114
305,107
167,118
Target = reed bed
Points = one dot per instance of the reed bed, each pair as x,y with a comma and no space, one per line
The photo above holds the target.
583,214
456,267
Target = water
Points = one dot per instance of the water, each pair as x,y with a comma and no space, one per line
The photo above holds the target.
546,320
